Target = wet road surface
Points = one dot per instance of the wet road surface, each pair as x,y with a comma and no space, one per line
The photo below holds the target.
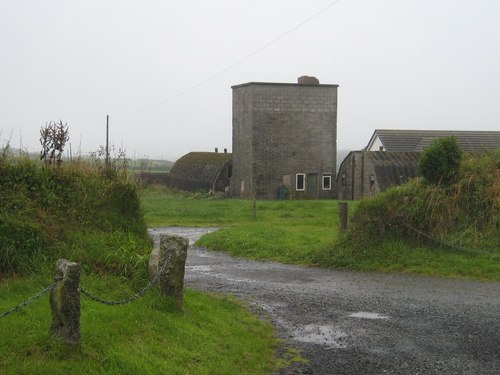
361,323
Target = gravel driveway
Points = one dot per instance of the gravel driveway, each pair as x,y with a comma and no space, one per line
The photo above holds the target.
362,323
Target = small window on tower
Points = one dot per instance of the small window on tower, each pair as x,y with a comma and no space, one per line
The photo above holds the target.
327,182
300,182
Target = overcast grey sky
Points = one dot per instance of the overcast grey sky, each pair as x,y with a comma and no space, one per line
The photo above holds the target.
163,70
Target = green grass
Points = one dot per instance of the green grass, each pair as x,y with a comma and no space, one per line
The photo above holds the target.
167,208
306,232
286,231
92,215
450,230
396,256
209,335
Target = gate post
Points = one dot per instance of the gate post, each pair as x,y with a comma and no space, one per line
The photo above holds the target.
65,303
173,254
342,216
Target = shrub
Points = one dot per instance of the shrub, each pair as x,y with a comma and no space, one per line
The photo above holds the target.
20,241
440,162
466,212
41,209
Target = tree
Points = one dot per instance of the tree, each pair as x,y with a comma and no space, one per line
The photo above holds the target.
440,162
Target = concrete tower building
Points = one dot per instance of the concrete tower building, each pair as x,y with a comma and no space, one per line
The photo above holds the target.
284,140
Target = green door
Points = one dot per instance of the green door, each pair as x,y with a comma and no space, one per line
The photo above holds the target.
312,185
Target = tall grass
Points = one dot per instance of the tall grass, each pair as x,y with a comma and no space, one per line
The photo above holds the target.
92,214
432,229
43,208
466,213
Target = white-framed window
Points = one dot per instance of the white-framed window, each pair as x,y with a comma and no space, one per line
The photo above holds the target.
300,181
327,182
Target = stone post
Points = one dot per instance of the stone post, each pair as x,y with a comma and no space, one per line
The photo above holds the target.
65,303
342,216
173,253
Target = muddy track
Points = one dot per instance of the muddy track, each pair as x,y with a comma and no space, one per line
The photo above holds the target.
362,323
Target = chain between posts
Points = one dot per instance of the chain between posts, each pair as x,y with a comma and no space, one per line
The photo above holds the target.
91,296
124,301
31,299
443,243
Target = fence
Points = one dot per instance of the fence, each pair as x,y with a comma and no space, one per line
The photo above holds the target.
166,269
443,243
343,215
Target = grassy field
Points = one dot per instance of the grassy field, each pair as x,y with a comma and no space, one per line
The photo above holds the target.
305,232
209,335
287,231
92,214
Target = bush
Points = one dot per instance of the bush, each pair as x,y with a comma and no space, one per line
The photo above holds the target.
20,241
440,162
42,210
466,212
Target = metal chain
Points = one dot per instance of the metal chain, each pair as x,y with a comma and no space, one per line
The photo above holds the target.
31,299
444,243
91,296
124,301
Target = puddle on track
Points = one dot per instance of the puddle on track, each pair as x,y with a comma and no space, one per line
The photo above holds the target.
368,315
202,269
326,335
211,271
192,234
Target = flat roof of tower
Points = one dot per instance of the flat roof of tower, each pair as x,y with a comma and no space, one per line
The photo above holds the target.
280,84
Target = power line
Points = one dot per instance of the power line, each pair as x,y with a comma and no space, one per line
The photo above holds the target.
234,64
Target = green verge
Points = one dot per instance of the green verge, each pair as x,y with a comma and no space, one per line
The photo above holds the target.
92,215
209,335
286,231
450,230
306,232
398,256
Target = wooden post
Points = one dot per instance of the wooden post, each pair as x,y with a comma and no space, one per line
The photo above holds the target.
65,303
342,216
254,204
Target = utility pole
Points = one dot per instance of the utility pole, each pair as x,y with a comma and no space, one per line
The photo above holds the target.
107,140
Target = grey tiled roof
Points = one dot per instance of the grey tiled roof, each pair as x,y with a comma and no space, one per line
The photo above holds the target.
417,140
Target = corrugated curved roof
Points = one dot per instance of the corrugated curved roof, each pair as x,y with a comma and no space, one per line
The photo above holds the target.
394,168
200,166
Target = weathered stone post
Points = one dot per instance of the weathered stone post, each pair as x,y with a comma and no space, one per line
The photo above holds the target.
65,303
172,253
342,216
